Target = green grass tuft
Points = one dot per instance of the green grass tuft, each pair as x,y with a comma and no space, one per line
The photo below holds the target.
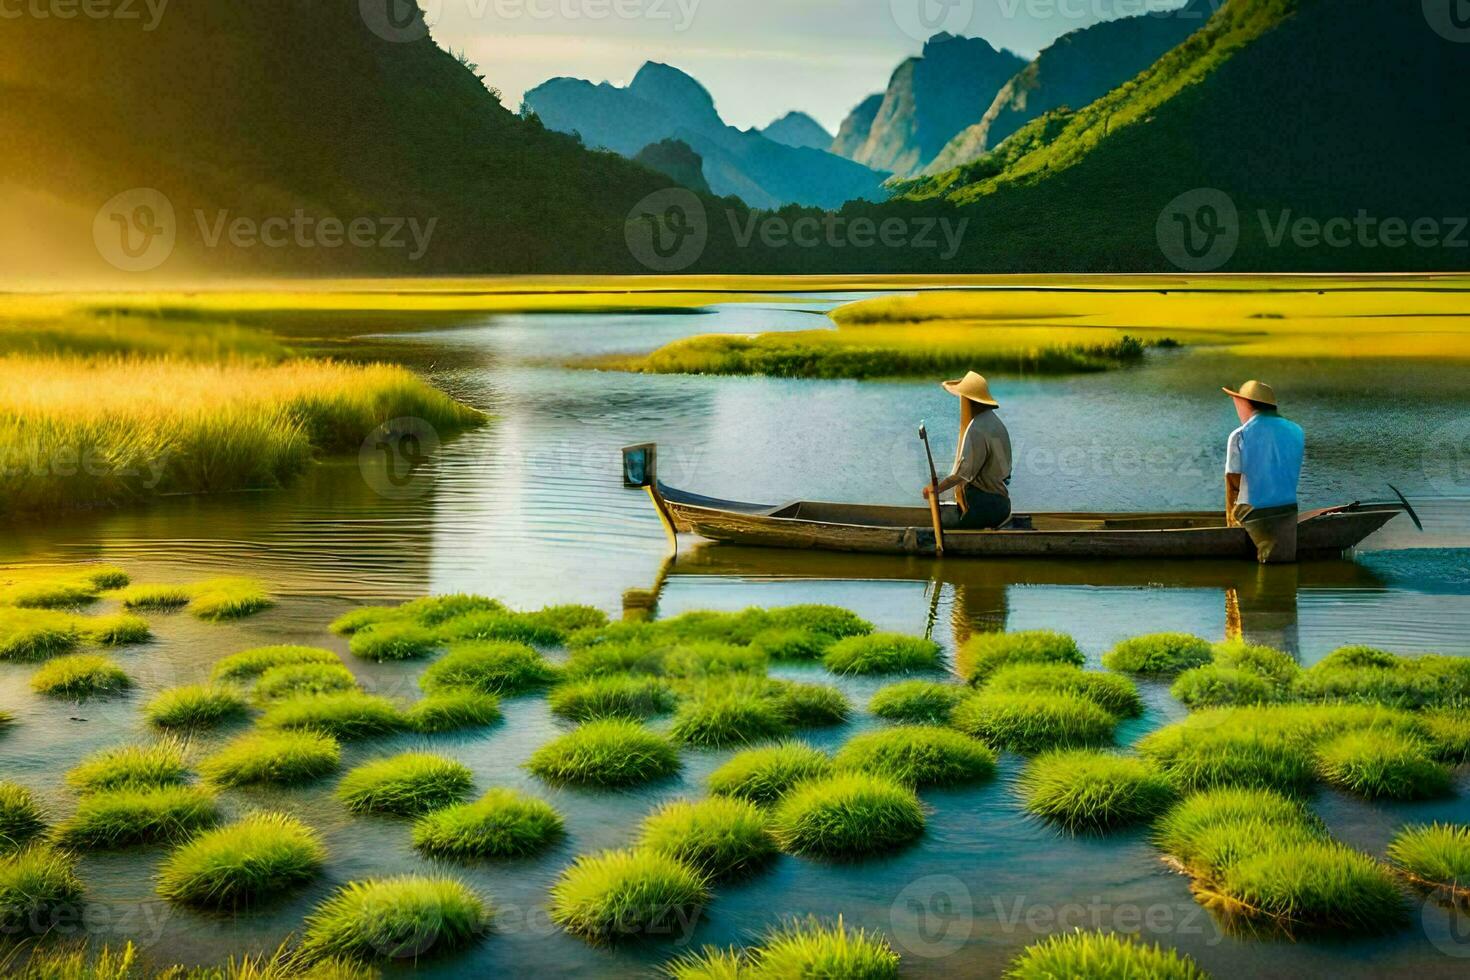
1208,831
114,630
612,752
1224,756
60,588
39,890
721,837
1423,682
1314,886
255,859
502,627
1217,686
453,711
1159,653
881,653
435,610
810,949
393,641
1028,723
711,658
131,767
812,705
194,706
409,784
34,634
833,621
351,714
123,817
1352,657
403,918
1101,955
985,653
1435,856
622,894
297,680
713,720
501,824
155,598
250,664
363,618
613,696
1448,730
78,676
847,815
919,755
614,659
792,644
917,702
284,757
1114,694
764,775
21,817
1382,765
1270,663
1093,791
221,599
489,667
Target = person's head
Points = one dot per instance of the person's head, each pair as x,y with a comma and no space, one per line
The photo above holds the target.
973,392
1251,399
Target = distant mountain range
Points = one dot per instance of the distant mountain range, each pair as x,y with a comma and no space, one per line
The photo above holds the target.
799,129
664,103
929,99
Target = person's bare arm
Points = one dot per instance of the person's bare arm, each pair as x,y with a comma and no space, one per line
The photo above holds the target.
945,485
1232,493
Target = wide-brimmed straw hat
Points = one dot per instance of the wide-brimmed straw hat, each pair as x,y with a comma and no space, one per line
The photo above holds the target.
1254,391
973,387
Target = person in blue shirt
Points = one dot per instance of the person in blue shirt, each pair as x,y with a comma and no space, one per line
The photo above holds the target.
1263,465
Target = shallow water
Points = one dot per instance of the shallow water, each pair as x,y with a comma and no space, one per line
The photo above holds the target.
531,510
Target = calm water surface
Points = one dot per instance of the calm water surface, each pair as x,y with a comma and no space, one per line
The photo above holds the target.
531,510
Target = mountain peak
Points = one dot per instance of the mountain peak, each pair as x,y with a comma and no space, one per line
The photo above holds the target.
671,88
798,129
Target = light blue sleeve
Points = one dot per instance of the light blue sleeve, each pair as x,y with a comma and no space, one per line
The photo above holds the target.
1232,453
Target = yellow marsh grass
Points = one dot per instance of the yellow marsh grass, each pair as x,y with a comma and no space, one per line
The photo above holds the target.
1296,319
84,432
101,334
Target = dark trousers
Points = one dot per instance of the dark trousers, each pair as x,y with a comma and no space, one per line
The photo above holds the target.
982,510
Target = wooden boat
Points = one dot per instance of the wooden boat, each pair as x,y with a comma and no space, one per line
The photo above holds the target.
895,530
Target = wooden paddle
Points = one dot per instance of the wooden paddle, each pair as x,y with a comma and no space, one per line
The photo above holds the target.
933,493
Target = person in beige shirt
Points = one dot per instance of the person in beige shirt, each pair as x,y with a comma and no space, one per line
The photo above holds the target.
982,462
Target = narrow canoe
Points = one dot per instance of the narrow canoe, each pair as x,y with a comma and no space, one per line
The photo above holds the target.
878,529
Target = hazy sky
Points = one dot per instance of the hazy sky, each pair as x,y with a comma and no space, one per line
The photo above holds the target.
758,58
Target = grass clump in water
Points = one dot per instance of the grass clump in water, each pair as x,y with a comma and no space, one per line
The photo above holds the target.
1101,954
1213,757
809,949
881,653
847,815
614,696
812,705
39,890
250,664
350,714
919,755
393,641
1209,831
35,634
917,702
792,644
255,859
1268,662
1214,686
1116,695
499,668
764,775
1028,723
21,816
409,784
622,894
985,653
123,817
131,767
436,610
407,917
1159,653
1435,856
194,706
1448,730
615,659
721,837
151,597
363,618
612,752
114,630
221,599
284,757
60,588
833,621
1093,791
298,680
1382,765
713,720
78,676
1368,676
501,824
453,711
711,658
